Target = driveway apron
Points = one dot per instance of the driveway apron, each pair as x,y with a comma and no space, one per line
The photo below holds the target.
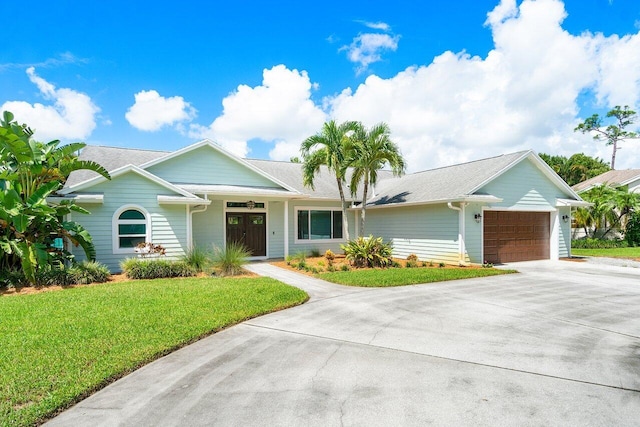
556,344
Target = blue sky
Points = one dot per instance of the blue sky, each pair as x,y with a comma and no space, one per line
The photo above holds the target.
456,81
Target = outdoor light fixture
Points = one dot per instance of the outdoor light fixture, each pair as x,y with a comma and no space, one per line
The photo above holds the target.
565,218
251,204
477,217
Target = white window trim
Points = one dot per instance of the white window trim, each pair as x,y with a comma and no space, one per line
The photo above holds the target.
114,228
315,208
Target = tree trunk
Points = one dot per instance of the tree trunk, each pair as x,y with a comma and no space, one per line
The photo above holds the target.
345,220
613,156
365,190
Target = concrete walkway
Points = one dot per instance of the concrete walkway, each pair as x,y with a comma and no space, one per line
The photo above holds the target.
558,344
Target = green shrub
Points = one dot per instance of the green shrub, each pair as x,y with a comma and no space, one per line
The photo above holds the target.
412,257
632,230
331,268
140,268
231,259
441,265
315,253
411,264
197,258
598,244
86,272
54,276
320,263
395,264
425,263
368,252
345,267
13,278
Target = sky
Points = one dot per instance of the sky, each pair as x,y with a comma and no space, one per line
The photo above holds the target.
455,81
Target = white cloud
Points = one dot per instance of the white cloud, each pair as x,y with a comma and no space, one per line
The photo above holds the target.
382,26
151,112
72,115
365,49
522,95
279,111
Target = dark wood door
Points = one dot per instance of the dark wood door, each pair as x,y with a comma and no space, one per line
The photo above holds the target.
248,229
516,236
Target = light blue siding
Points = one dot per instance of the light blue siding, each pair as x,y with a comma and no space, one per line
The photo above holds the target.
205,165
208,226
275,229
564,235
524,187
168,222
473,233
430,232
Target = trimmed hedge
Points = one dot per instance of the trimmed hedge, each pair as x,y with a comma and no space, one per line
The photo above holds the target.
598,244
141,268
81,273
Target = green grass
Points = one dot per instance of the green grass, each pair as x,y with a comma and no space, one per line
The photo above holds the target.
630,253
58,347
406,276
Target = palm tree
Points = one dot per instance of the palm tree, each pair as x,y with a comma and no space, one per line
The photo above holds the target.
370,151
329,148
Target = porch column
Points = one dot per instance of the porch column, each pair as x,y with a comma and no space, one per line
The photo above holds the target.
286,228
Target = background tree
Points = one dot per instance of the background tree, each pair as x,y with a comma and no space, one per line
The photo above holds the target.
613,133
611,208
329,148
577,168
370,150
31,171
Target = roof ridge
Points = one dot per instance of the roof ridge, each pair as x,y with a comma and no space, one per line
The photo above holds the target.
470,162
127,148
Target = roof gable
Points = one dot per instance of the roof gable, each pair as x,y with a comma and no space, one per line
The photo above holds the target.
613,177
207,163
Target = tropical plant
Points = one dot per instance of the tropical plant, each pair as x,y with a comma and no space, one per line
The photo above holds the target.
158,268
30,172
632,229
230,260
577,168
328,148
368,252
609,210
370,150
613,133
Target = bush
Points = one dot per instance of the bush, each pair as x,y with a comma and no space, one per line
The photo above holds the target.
598,244
441,265
139,268
315,253
632,230
345,267
368,252
87,272
412,257
330,256
197,258
411,264
231,259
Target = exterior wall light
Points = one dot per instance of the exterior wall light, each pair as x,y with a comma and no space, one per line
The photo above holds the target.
251,204
565,218
477,217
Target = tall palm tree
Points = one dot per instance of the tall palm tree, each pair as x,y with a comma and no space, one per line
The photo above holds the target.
370,150
329,148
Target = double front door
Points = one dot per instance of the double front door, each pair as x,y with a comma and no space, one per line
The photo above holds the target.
248,229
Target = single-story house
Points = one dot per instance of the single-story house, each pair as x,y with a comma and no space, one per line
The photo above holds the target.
614,178
506,208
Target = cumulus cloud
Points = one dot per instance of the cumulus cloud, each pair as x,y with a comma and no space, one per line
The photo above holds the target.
523,94
365,49
72,115
151,111
279,111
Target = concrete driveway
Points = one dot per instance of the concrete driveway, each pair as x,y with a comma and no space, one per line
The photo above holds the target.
558,344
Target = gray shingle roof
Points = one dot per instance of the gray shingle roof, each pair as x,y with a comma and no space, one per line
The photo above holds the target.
444,183
111,158
613,177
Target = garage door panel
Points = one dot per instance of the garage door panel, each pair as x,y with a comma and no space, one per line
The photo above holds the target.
516,236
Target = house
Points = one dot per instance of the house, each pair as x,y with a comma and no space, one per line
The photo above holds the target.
613,178
507,208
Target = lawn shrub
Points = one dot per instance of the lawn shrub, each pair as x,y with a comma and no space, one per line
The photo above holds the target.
86,272
412,261
198,258
330,256
632,230
598,244
315,253
368,252
230,260
140,268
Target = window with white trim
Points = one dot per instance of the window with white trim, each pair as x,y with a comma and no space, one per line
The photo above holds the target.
319,224
131,228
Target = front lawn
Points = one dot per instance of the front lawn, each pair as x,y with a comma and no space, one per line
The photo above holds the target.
407,276
627,253
59,347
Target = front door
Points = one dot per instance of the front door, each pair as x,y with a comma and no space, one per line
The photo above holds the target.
248,229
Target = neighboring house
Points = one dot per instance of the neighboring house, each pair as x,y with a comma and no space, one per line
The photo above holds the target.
613,178
506,208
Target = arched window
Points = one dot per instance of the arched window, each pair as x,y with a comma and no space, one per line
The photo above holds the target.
131,227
